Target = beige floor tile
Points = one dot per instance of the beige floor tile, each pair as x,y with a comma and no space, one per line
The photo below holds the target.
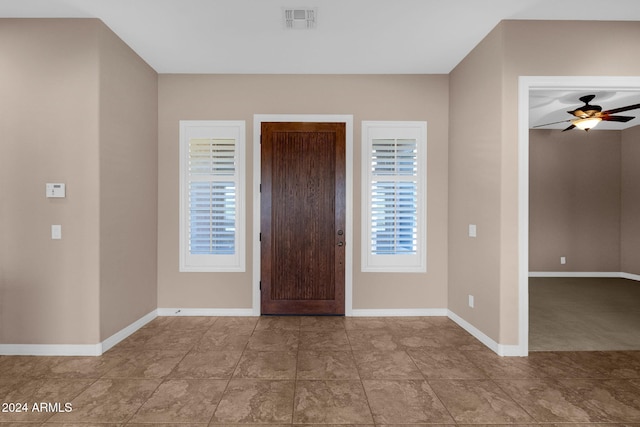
248,371
136,340
503,367
269,365
331,402
173,339
290,323
404,402
163,424
178,400
26,366
559,365
11,385
235,325
549,401
53,424
109,400
323,365
222,340
30,393
611,400
146,364
610,364
248,401
445,364
332,340
82,367
158,323
479,402
273,340
207,365
373,340
190,323
322,323
20,424
449,339
376,323
424,324
386,365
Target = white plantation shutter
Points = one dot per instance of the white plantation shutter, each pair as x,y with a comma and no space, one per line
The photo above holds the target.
212,223
212,197
394,195
394,176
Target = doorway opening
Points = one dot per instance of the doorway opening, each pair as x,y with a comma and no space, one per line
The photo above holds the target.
527,85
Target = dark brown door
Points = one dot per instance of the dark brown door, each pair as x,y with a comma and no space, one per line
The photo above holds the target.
303,218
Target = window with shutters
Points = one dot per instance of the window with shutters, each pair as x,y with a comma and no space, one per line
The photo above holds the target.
212,195
394,196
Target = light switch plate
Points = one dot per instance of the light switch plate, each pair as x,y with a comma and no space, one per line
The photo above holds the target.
473,230
56,232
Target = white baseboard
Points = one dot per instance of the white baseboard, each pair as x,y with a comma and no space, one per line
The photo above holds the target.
240,312
51,349
124,333
399,312
75,349
611,274
499,349
630,276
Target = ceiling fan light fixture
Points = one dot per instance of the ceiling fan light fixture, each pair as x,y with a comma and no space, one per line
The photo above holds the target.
588,123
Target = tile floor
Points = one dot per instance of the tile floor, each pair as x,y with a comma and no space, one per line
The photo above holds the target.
201,371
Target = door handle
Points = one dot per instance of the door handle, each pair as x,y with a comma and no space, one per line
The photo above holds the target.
340,243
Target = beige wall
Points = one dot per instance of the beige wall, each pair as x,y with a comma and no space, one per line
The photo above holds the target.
488,79
75,104
574,200
366,97
630,227
49,290
128,185
474,185
548,48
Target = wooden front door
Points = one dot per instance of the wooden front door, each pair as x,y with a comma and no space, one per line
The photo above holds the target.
303,218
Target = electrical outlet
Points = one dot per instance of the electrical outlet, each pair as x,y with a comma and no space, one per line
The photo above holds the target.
563,260
471,302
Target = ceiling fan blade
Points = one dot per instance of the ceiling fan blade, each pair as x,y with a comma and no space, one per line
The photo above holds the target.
621,109
552,123
569,128
622,119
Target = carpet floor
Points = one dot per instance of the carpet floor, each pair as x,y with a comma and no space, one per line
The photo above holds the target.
583,314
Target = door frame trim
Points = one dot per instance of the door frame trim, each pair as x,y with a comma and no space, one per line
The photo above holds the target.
347,119
526,85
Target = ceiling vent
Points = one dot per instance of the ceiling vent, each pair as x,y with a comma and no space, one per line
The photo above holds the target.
300,18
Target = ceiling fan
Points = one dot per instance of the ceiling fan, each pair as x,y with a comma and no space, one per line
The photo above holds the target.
588,116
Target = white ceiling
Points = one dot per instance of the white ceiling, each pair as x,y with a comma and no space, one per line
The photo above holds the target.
352,36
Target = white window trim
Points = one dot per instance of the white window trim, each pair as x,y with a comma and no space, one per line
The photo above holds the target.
212,129
401,130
